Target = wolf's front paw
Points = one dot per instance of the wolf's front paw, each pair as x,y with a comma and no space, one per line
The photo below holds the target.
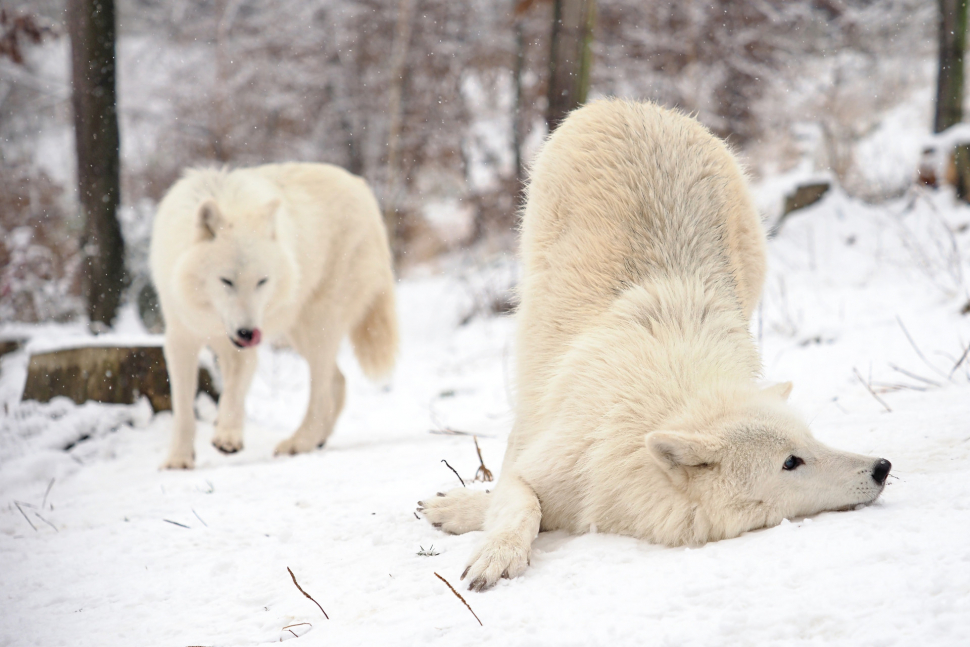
296,444
179,461
496,558
227,442
460,511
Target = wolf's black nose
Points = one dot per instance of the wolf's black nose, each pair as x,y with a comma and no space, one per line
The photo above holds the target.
246,334
881,471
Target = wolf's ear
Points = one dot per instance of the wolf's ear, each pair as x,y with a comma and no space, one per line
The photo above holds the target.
269,218
209,220
781,390
675,449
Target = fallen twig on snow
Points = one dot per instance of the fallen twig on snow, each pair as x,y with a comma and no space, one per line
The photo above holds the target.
869,389
455,471
430,552
199,518
49,486
918,351
306,594
298,624
459,597
885,387
176,523
913,375
960,361
443,429
25,516
483,472
37,514
447,431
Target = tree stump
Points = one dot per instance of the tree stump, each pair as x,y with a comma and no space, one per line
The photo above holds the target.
118,375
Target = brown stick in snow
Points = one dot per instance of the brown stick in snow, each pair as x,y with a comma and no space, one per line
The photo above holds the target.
483,472
306,594
869,389
459,597
453,470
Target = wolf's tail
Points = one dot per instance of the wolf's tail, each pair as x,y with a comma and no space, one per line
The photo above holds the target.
375,336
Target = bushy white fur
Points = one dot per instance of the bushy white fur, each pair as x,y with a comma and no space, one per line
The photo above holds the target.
296,251
638,410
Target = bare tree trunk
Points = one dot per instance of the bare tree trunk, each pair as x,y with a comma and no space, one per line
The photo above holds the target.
517,108
92,28
949,87
570,59
399,55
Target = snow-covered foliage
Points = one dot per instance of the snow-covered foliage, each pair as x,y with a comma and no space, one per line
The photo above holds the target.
794,84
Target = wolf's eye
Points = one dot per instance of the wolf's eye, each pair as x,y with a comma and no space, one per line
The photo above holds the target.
792,462
226,282
261,282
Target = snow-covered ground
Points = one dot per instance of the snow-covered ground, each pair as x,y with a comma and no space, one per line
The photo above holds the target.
105,549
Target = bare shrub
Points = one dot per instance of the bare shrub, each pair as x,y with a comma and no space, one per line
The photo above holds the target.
39,257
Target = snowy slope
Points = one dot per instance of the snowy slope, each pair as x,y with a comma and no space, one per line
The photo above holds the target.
104,567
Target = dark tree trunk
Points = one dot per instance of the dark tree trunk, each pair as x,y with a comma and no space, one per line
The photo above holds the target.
570,59
949,87
92,28
517,108
398,66
961,167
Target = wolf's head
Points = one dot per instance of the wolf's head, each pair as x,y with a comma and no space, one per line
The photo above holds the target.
237,270
756,464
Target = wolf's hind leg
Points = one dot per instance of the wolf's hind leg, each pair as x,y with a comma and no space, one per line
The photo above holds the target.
459,511
511,523
327,390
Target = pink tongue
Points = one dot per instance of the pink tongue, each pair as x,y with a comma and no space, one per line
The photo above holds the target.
257,336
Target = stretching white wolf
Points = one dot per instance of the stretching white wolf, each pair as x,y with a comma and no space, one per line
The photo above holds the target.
294,252
638,410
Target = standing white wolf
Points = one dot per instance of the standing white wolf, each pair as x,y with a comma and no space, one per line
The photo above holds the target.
638,410
295,252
